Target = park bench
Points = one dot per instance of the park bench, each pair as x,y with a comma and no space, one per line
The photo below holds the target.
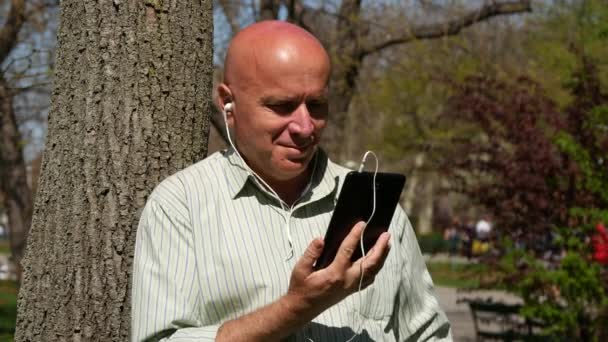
495,321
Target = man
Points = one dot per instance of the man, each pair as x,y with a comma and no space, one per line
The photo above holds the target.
483,228
218,243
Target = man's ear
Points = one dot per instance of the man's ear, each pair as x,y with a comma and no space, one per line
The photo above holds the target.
225,103
224,96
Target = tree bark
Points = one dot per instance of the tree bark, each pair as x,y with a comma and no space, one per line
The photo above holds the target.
130,106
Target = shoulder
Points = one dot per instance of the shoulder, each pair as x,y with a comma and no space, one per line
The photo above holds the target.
401,225
336,171
203,173
175,190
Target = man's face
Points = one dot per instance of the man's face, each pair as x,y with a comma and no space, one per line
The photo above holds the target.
280,110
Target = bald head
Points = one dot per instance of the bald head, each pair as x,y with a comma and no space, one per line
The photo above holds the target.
271,44
275,80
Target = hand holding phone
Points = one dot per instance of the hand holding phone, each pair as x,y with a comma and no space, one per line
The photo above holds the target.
356,203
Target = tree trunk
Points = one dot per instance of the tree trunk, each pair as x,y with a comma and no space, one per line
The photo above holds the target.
130,106
425,220
411,192
13,178
346,64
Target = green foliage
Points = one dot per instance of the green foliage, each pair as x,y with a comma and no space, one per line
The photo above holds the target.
572,295
594,176
553,48
568,296
591,214
5,248
8,309
549,164
558,35
410,93
432,243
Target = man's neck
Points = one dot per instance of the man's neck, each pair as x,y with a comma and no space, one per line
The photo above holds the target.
291,190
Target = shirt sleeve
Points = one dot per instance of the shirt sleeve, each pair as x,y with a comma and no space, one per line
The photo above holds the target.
166,293
419,316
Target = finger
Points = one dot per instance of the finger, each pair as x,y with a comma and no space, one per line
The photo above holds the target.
347,248
374,260
378,257
311,254
361,280
367,281
380,264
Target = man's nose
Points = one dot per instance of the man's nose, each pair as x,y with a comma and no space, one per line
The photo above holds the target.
302,123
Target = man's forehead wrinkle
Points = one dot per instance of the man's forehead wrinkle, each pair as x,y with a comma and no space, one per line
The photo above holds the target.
256,61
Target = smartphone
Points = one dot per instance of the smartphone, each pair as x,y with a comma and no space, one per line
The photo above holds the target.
355,203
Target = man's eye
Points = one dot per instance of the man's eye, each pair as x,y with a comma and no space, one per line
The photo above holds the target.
282,107
317,104
317,108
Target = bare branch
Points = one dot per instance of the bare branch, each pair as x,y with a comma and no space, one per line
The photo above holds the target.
36,13
296,12
8,34
231,11
269,10
31,87
452,26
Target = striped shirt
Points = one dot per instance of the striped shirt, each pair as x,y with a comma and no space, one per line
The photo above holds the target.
212,245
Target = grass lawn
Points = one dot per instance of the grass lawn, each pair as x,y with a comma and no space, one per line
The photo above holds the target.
8,309
5,248
456,275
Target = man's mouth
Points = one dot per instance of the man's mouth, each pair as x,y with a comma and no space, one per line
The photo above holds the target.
301,148
299,154
304,149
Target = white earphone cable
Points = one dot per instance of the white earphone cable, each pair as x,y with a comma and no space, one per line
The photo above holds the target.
228,107
361,245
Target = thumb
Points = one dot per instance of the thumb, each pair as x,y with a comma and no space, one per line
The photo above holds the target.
311,254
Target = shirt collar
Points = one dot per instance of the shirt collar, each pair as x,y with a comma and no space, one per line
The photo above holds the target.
324,180
237,169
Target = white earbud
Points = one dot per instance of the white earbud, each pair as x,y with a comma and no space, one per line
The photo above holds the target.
228,107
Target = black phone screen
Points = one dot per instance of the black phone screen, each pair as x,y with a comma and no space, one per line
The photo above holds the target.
355,203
